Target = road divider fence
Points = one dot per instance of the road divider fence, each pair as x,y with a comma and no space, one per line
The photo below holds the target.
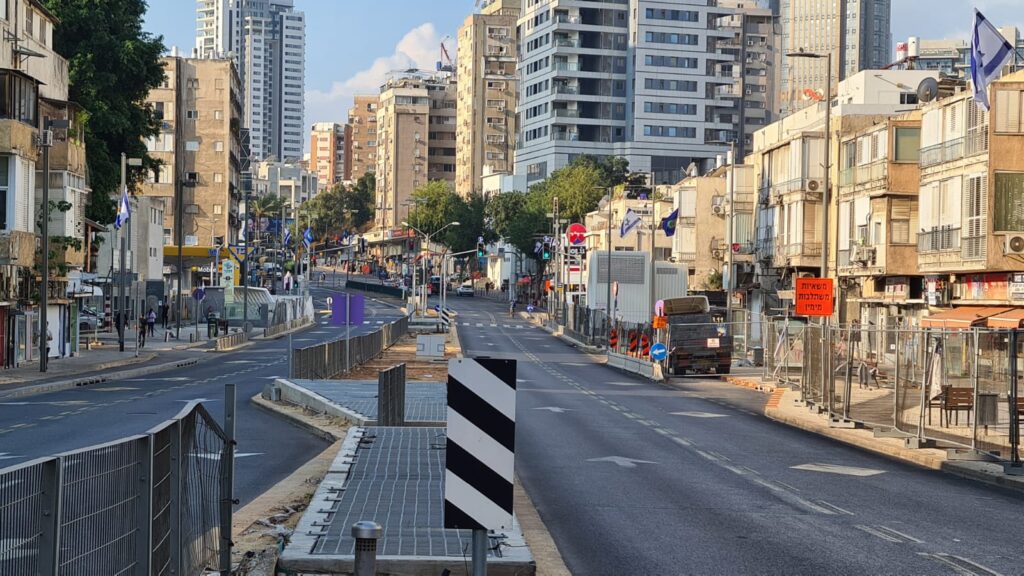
329,359
142,505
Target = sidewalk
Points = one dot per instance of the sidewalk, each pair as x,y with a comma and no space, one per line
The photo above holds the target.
102,362
783,406
163,340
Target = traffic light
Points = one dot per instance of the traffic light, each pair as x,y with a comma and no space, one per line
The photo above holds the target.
546,251
481,250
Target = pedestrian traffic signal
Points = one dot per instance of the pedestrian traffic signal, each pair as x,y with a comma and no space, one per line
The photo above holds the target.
546,251
481,250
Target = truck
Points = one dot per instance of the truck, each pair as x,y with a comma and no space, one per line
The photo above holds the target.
698,336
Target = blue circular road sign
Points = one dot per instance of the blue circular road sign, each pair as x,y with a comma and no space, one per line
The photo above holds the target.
659,352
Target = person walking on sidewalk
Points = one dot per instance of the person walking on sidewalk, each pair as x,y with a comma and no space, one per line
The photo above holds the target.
142,332
164,309
151,322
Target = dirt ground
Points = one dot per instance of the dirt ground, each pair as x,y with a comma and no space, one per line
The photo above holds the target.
429,369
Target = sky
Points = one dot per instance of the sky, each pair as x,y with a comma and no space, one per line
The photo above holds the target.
352,44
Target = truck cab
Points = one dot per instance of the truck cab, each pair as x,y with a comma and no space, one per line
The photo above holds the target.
698,336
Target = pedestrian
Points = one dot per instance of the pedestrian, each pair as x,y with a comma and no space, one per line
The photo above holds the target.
151,322
142,332
512,308
164,308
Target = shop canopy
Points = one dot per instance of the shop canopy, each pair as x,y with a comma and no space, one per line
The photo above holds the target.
1012,318
963,317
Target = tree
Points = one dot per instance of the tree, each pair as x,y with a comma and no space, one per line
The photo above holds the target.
578,189
113,65
518,219
614,170
364,192
472,217
437,205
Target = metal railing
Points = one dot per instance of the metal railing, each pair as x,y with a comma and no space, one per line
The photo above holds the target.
943,152
954,388
147,504
329,359
283,327
939,239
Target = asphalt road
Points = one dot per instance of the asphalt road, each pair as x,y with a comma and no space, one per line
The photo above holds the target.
633,477
268,450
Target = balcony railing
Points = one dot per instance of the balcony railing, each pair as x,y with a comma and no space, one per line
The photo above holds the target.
687,256
567,66
798,249
945,152
865,174
565,113
567,43
939,239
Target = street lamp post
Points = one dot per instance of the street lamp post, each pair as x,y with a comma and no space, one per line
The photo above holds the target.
828,152
426,243
125,243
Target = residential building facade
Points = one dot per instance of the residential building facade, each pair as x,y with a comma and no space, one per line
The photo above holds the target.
487,95
293,182
361,146
639,80
267,40
328,142
416,139
754,48
856,32
200,148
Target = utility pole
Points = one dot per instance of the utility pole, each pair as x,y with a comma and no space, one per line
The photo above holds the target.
47,140
730,232
122,293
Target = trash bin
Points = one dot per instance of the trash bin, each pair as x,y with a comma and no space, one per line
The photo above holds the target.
758,355
988,409
211,327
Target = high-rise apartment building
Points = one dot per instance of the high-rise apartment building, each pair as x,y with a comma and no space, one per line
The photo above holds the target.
416,139
200,106
857,33
362,142
754,47
487,94
267,40
639,79
327,144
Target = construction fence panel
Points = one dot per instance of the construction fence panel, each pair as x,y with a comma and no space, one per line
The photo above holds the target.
329,359
142,505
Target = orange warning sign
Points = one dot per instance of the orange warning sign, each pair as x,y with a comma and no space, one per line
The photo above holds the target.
814,297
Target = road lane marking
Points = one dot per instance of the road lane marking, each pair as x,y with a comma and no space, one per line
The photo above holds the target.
554,409
112,389
893,531
960,565
621,461
698,414
878,533
836,508
837,469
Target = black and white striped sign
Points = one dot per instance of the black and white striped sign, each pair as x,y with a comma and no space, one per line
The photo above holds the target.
481,444
446,317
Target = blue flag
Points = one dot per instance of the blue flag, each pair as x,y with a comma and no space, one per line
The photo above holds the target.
630,221
124,210
307,238
287,237
668,223
989,52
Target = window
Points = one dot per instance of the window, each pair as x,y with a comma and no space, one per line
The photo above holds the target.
908,145
670,108
218,177
974,212
1009,203
4,176
218,146
908,98
18,97
218,209
192,114
1008,111
29,13
218,114
670,131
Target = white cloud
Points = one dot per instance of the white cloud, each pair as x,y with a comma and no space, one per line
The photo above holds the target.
419,48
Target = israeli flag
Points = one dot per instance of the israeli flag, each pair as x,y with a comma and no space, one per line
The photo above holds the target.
287,237
124,210
629,222
307,238
989,52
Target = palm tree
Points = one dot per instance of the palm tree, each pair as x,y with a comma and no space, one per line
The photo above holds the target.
266,207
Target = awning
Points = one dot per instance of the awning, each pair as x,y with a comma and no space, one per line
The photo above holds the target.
1010,319
962,317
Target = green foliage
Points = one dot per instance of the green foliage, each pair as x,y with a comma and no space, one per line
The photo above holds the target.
517,218
613,170
58,244
437,205
713,281
364,192
339,208
113,65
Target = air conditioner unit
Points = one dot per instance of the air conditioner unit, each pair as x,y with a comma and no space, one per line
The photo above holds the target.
862,254
813,185
717,254
1014,244
718,210
46,138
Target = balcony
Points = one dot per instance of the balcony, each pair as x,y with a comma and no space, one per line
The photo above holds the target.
17,248
939,239
565,113
567,66
567,43
565,89
944,152
873,173
686,256
807,254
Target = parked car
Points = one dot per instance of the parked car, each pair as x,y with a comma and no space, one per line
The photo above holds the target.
88,322
465,290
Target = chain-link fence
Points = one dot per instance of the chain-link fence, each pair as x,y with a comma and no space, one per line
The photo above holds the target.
586,325
960,388
329,359
148,504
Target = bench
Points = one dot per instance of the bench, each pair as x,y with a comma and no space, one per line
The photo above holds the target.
957,400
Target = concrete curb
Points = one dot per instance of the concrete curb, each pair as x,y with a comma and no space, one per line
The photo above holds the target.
59,385
262,403
282,334
561,335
